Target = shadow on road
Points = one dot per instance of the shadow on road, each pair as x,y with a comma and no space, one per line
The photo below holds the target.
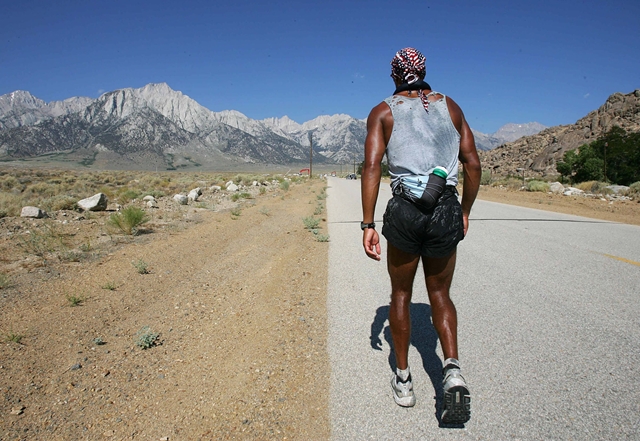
423,338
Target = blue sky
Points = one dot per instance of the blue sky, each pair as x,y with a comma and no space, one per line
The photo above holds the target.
546,61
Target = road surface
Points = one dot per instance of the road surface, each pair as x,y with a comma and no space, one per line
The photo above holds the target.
549,329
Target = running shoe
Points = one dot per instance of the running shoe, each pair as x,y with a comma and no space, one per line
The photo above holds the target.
457,400
403,391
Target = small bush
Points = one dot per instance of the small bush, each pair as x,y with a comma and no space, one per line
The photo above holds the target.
485,178
5,282
595,187
510,182
311,222
537,186
111,286
127,196
13,337
634,189
284,185
128,220
322,238
74,300
145,338
141,266
236,212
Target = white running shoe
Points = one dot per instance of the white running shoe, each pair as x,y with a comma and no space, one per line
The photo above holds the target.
403,391
457,400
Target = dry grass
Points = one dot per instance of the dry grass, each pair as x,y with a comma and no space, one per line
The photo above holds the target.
53,190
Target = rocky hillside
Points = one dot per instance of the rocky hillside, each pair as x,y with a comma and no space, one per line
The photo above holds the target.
538,153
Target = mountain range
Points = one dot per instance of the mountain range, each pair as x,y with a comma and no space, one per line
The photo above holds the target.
156,126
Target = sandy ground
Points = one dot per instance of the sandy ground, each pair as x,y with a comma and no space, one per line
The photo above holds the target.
238,303
623,211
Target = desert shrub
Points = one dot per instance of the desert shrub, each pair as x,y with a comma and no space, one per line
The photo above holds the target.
284,185
595,187
141,266
155,193
10,204
485,178
634,189
311,222
127,195
128,220
8,182
42,189
5,281
146,338
534,185
510,182
236,196
61,202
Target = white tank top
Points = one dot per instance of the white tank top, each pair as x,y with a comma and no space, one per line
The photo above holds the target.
421,141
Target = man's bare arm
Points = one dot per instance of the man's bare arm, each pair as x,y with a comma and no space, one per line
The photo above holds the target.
470,161
374,148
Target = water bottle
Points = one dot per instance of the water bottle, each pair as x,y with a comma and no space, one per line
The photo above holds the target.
435,186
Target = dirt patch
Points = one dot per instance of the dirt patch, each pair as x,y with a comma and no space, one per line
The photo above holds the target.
232,307
623,211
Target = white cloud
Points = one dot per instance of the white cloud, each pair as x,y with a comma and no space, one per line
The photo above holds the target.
587,95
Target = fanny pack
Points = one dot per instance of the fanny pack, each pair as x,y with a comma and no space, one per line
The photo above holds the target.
424,191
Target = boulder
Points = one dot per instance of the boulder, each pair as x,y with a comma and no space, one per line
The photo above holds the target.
152,203
232,187
181,199
215,188
97,202
194,194
618,188
148,198
572,191
33,212
556,187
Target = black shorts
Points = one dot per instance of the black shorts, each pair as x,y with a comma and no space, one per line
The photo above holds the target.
431,233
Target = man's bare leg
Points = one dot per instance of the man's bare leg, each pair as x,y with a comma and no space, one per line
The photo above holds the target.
402,270
438,273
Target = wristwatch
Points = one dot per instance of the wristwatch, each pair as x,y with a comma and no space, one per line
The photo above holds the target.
363,226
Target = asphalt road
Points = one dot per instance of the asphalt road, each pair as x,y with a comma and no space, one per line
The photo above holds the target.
549,329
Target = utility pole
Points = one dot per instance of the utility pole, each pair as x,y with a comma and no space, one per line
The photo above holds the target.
310,155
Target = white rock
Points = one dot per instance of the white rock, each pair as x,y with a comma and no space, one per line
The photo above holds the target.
34,212
152,204
618,188
232,187
255,183
572,191
556,187
215,188
148,198
181,199
228,184
97,202
194,194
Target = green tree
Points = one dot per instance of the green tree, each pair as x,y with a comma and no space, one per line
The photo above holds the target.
615,157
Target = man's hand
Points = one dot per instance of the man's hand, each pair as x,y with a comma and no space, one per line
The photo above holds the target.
371,243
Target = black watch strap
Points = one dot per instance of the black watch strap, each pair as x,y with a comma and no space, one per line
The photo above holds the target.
364,226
